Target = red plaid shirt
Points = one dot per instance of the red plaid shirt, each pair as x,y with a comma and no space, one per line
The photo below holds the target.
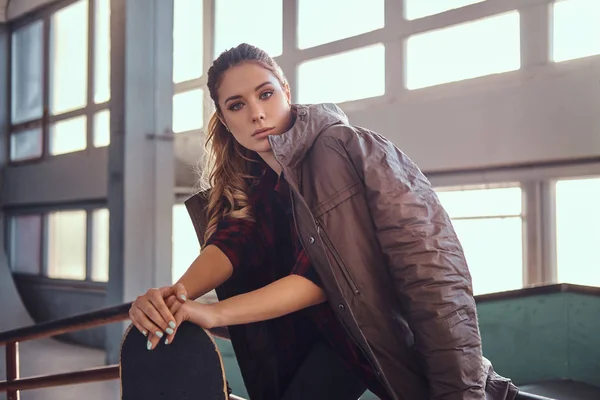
272,246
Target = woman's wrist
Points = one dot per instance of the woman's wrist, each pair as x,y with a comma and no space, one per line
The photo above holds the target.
205,315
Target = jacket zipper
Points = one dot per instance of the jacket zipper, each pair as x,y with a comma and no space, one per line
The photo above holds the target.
338,259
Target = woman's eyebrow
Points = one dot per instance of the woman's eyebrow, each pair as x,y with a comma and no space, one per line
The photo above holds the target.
237,96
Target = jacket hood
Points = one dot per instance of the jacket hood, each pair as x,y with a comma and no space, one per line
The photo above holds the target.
311,120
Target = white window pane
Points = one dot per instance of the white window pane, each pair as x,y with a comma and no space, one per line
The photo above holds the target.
25,240
494,252
184,243
482,202
102,128
187,40
340,77
316,26
484,47
68,58
576,29
578,231
27,70
26,145
188,110
102,52
244,22
68,136
414,9
67,244
100,245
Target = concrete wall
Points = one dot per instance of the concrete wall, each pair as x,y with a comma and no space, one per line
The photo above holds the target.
550,113
71,177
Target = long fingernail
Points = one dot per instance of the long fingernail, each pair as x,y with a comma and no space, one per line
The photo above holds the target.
159,334
166,341
149,345
182,297
172,324
144,333
169,331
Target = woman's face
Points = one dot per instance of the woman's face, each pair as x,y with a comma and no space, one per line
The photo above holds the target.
254,105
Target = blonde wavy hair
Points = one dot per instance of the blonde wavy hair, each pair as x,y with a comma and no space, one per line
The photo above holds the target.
228,166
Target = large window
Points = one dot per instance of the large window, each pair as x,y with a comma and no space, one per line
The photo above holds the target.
65,244
27,73
469,50
188,110
185,242
68,58
488,222
69,89
576,29
26,239
248,22
414,9
188,40
316,25
329,79
578,231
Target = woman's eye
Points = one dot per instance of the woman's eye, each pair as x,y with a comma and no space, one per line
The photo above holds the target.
235,106
266,95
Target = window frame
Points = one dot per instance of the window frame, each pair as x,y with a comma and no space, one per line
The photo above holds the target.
46,120
44,213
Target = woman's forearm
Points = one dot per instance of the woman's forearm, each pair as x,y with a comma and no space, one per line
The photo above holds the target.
279,298
209,270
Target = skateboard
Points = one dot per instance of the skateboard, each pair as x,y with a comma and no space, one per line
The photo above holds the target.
190,368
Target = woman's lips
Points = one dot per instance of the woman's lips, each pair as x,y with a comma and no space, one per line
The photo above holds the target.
262,133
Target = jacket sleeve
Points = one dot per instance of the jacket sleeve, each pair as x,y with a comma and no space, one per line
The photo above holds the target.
426,263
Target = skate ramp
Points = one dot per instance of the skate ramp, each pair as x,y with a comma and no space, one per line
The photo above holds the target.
46,356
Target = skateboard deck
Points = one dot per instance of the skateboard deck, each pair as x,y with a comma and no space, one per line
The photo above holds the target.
190,368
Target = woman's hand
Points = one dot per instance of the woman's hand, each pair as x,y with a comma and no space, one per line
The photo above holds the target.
203,315
151,315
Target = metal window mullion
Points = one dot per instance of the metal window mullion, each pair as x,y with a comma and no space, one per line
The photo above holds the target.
91,56
208,33
8,96
44,244
532,233
47,32
395,50
89,245
549,242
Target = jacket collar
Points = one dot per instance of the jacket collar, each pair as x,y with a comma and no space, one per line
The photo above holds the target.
290,147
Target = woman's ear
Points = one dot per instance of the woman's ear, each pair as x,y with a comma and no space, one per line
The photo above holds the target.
288,94
222,119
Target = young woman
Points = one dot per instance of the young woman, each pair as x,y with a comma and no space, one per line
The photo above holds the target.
336,267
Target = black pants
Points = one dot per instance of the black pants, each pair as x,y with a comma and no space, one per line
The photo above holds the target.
323,376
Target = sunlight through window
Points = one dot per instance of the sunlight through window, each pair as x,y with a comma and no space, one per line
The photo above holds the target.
188,109
465,51
578,231
245,22
329,79
188,40
67,245
316,27
488,223
68,58
576,29
68,136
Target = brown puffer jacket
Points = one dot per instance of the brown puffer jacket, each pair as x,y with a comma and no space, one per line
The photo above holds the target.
389,259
